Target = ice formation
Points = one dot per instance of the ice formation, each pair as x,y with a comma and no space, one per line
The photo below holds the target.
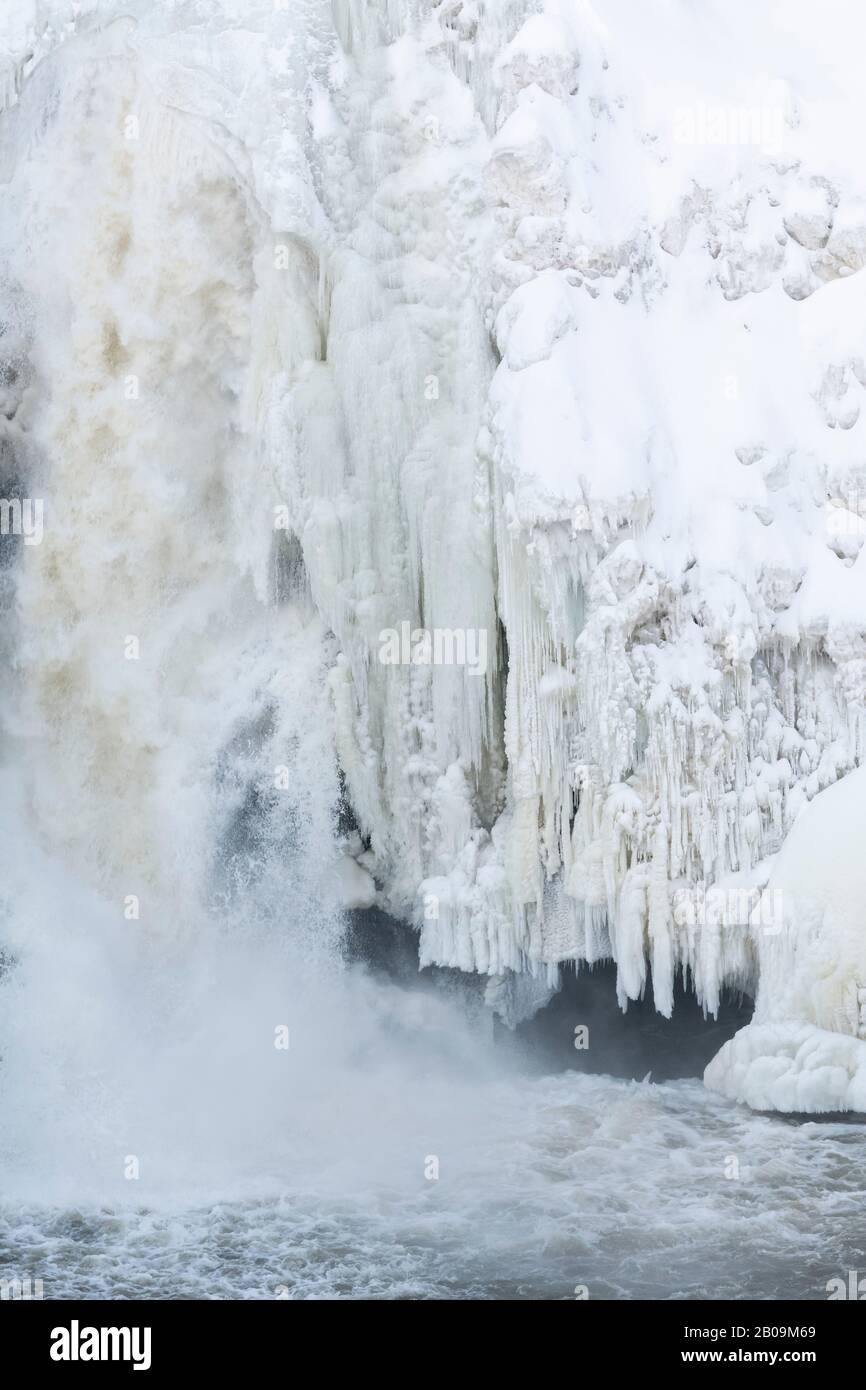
805,1049
516,319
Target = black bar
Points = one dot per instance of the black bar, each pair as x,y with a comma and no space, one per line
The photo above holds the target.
198,1337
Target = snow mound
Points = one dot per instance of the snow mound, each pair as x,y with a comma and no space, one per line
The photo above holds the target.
805,1050
791,1067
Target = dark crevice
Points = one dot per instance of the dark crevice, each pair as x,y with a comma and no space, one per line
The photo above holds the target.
631,1045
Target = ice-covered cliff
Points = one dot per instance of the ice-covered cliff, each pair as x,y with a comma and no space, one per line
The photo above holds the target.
522,342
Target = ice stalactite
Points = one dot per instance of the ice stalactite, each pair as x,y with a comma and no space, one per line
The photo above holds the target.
365,29
374,453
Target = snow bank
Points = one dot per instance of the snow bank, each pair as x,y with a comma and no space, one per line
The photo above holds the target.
806,1046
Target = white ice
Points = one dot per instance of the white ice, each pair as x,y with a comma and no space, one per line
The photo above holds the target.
805,1049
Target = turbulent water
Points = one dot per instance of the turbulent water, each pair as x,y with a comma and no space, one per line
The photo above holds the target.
394,1149
545,1186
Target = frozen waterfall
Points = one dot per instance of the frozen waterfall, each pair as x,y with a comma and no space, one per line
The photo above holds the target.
445,425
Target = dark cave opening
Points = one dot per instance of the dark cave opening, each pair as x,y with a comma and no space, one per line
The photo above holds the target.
582,1028
631,1044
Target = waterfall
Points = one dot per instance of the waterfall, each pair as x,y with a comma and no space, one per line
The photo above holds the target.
431,645
175,993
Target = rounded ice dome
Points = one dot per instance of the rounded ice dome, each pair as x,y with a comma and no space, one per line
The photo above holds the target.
804,1049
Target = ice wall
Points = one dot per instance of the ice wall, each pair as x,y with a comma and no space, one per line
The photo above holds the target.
536,322
668,434
669,458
